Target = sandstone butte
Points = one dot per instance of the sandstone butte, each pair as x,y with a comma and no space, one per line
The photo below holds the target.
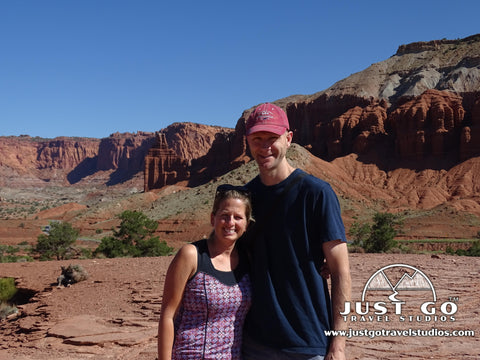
402,136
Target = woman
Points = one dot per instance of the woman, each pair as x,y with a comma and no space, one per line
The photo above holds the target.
207,289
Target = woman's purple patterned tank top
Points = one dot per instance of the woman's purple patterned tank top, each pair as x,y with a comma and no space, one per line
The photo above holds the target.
210,319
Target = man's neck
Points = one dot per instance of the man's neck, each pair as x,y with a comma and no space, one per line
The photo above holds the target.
277,175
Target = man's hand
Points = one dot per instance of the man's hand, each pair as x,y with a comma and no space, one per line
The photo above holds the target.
325,271
336,355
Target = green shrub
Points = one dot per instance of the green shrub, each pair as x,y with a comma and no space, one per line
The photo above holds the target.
474,250
134,238
449,250
461,252
360,233
154,247
383,232
60,237
7,288
86,253
378,237
112,247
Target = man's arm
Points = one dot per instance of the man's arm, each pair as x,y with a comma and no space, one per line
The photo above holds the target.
336,254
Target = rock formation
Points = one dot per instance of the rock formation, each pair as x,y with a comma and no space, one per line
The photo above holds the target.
27,161
428,125
162,165
193,152
470,133
124,151
65,153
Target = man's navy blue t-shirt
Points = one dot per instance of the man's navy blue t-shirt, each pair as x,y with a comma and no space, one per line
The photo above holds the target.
291,305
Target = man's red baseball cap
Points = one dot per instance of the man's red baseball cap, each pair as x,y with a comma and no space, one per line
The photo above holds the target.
267,117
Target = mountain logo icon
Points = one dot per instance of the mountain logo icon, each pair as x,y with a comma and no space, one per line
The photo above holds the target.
398,277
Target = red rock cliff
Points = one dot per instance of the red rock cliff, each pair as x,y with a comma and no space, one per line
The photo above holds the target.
162,165
124,151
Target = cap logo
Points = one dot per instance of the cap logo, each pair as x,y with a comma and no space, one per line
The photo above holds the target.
265,115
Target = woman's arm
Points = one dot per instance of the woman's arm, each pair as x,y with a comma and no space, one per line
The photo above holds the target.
181,269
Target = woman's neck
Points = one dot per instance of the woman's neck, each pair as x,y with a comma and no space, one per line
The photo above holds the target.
224,256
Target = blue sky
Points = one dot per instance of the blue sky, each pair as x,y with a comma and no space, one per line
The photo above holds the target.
94,67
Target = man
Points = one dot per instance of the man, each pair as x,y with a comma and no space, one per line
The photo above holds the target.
298,227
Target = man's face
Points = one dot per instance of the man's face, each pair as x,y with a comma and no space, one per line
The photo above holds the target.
269,149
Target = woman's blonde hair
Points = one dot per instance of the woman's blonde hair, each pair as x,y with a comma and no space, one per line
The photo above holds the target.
227,191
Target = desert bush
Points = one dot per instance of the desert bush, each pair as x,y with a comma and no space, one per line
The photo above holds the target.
60,237
154,247
71,275
134,238
360,233
449,250
474,250
384,229
86,253
355,249
378,237
8,254
6,309
112,247
7,288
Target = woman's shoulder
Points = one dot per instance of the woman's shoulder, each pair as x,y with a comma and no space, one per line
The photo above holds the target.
188,252
192,251
200,245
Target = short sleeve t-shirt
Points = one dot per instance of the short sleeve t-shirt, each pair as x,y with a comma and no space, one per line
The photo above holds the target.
291,304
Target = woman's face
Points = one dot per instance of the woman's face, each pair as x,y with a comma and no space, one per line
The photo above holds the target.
230,222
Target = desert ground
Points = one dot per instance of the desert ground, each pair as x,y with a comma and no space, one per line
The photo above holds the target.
114,313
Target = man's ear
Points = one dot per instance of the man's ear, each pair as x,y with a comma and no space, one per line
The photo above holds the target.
289,137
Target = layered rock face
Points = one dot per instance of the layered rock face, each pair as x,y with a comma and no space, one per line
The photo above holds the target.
162,165
181,152
23,152
188,152
435,124
62,161
422,103
26,161
65,153
470,134
124,151
427,125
